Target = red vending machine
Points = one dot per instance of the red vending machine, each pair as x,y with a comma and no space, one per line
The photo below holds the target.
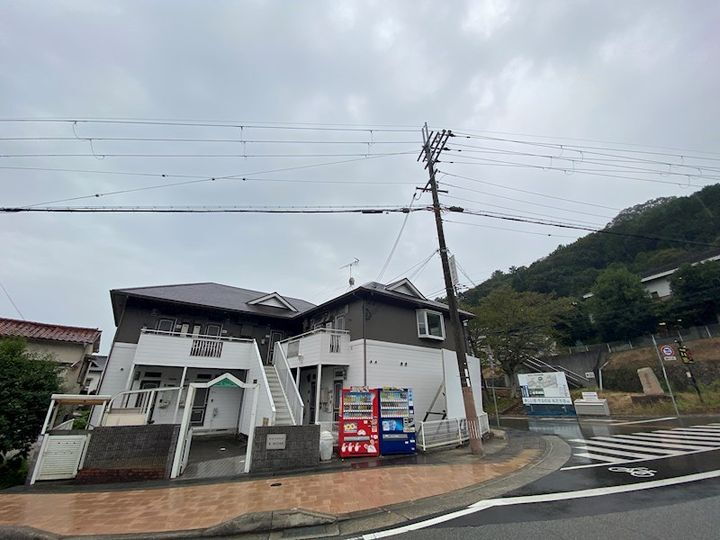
358,433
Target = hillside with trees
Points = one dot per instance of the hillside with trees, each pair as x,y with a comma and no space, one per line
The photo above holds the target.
527,311
642,238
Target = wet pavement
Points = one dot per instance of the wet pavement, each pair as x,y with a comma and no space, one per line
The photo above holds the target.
599,492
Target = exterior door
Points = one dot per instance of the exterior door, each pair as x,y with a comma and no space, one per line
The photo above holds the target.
275,336
142,399
199,406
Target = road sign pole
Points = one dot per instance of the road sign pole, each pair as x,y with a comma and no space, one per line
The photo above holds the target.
667,381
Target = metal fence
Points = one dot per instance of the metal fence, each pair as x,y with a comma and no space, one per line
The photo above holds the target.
687,334
448,432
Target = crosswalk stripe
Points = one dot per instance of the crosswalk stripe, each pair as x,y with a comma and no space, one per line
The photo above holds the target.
704,435
596,448
677,438
699,430
599,458
626,445
659,442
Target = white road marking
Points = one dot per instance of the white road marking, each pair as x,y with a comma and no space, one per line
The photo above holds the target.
703,435
699,431
657,442
644,421
629,445
600,449
695,439
606,459
548,497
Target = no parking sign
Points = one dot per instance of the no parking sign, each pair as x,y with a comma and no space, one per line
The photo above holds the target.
668,352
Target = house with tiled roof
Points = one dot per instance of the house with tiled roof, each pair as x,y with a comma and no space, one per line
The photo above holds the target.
70,346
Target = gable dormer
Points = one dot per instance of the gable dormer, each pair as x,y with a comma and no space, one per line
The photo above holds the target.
272,300
404,286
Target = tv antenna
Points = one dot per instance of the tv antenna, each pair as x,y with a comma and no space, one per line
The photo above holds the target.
349,266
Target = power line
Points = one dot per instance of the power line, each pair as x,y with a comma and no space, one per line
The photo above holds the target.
414,266
511,230
684,151
521,191
569,210
215,209
102,155
583,161
199,180
11,300
397,241
585,228
570,171
237,125
199,140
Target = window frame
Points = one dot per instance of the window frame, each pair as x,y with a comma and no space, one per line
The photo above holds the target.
159,322
421,319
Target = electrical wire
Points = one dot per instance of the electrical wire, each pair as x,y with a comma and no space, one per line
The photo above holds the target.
510,229
11,300
197,180
200,140
397,240
522,191
423,262
338,209
207,123
101,155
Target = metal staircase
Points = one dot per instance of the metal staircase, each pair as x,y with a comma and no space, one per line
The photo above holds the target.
574,380
282,410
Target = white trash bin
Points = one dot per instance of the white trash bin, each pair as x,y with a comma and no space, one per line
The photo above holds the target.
326,446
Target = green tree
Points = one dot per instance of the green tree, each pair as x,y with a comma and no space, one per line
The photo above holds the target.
696,293
620,305
26,382
517,326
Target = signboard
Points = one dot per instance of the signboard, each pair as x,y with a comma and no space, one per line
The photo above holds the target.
668,353
275,441
225,383
685,355
453,270
544,388
589,375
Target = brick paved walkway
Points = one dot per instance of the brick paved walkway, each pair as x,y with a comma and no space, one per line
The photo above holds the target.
193,507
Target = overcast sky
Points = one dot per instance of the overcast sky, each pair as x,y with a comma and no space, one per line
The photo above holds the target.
625,72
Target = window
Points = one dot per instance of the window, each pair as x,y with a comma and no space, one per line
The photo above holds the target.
166,325
212,330
293,349
430,324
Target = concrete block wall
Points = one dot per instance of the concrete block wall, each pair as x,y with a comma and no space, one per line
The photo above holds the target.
123,453
302,448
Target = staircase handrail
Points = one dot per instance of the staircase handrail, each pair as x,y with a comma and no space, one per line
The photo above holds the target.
288,386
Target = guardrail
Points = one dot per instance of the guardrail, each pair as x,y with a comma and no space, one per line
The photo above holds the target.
448,432
292,394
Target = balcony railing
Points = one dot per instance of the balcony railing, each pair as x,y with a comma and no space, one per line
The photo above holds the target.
322,345
206,347
170,348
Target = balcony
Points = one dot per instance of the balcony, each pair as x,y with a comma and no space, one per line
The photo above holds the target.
321,346
159,348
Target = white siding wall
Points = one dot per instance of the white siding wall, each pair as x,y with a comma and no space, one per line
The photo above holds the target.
168,350
660,285
117,371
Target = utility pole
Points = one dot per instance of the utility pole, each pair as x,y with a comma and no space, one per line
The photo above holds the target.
433,145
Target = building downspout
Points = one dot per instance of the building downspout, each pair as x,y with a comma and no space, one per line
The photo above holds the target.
364,315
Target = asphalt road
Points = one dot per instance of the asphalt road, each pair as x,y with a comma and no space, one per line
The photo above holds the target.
625,480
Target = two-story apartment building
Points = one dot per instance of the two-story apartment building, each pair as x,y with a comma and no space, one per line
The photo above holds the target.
301,354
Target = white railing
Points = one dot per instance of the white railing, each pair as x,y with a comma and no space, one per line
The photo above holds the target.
264,385
292,394
448,432
319,346
207,348
193,336
138,403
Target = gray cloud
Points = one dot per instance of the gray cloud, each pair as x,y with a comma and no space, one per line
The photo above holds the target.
640,72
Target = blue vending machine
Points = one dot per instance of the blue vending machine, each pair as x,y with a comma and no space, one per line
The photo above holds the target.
397,421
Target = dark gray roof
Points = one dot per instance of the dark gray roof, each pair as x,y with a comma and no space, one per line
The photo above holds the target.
216,295
379,287
97,362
